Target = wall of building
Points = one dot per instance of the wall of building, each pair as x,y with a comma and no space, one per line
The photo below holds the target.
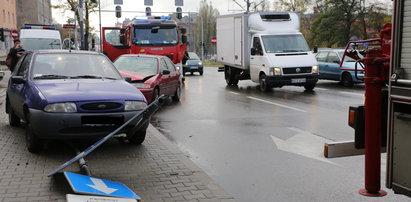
8,21
33,12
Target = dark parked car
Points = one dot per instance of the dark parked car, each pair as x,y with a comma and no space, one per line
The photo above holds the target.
193,64
329,64
153,75
61,94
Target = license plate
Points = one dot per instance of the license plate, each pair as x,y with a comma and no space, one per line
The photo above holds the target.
194,67
300,80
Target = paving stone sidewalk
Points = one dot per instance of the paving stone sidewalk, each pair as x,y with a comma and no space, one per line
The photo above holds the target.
157,170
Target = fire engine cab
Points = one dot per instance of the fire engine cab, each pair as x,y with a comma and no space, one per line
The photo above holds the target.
146,35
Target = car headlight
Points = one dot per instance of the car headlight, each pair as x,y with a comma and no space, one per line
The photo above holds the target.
67,107
134,105
141,85
178,68
200,63
275,71
314,69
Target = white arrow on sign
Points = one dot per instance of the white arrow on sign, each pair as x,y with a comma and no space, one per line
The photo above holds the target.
101,186
304,144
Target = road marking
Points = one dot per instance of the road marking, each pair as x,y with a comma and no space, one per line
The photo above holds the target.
234,93
304,144
350,93
277,104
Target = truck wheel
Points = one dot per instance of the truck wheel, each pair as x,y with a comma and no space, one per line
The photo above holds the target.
346,80
230,76
309,87
14,120
137,138
33,143
264,86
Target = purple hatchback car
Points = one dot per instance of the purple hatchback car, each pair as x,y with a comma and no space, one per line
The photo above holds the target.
78,94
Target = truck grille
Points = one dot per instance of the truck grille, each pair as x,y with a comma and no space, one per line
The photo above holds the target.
297,70
101,106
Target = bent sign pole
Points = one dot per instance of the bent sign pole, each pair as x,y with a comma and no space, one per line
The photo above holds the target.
153,107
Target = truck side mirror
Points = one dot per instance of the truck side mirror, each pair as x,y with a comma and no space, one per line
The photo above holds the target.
253,51
184,38
315,49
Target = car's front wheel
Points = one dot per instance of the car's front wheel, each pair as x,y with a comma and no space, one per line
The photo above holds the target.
33,143
346,80
137,137
14,120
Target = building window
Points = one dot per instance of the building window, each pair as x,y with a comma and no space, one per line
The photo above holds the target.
14,19
4,15
8,13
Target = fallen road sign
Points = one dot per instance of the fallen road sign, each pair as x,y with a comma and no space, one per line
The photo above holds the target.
83,184
86,198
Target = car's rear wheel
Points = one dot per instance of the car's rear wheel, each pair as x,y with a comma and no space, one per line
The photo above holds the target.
14,120
230,74
33,143
346,80
177,94
138,137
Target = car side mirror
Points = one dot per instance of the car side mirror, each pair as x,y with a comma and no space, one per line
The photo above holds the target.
315,49
128,79
253,51
165,72
18,79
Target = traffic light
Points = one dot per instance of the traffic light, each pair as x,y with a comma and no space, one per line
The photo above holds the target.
148,11
179,13
1,34
118,11
71,41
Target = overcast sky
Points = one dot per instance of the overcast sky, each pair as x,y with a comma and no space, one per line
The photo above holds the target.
109,19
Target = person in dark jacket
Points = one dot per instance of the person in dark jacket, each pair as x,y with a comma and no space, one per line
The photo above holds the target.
15,54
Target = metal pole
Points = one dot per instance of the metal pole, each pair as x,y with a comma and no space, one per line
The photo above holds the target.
202,39
99,18
80,5
75,31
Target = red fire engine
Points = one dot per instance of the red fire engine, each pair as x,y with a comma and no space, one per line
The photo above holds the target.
146,35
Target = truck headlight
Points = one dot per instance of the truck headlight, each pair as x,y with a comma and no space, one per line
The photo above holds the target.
134,105
67,107
141,85
275,71
314,69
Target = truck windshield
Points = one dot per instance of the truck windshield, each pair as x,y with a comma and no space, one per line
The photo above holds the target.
40,43
164,36
285,43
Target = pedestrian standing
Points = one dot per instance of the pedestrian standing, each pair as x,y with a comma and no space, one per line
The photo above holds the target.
14,55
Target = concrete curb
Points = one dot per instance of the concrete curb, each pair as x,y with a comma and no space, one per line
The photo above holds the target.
200,174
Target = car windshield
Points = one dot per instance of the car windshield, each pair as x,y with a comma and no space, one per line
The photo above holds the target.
137,64
346,58
285,43
193,56
40,43
74,66
163,36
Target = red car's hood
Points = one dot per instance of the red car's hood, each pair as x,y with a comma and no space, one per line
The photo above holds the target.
135,76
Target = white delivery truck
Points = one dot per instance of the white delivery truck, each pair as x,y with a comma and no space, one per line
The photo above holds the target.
266,47
37,37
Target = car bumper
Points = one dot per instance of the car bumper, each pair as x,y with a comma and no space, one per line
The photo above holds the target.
301,80
188,68
148,94
80,125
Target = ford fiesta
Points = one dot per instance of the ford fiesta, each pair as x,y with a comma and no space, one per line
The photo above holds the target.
78,94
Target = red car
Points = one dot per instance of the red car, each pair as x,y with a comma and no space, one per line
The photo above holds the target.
153,75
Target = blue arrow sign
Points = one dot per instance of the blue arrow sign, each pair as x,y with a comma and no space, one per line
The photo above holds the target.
83,184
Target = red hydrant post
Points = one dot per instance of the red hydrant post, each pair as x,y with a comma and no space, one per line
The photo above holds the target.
376,76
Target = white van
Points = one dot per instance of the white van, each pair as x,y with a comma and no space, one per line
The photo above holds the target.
37,37
266,47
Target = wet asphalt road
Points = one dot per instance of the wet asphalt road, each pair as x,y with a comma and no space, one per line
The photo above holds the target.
268,146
